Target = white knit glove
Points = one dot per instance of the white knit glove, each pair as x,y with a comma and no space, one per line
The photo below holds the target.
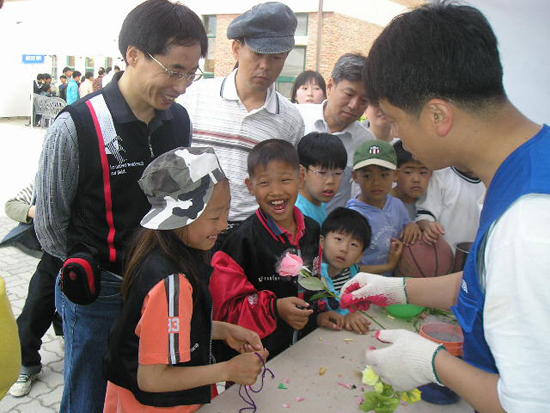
408,363
365,289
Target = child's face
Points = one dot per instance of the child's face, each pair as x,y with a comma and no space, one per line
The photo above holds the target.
375,183
413,179
321,184
203,233
275,187
341,250
310,93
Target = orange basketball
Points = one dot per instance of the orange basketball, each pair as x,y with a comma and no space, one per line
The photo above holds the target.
422,260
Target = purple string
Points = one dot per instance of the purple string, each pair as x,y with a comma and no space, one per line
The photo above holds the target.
248,399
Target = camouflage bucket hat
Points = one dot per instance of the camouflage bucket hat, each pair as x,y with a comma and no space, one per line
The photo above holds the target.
178,185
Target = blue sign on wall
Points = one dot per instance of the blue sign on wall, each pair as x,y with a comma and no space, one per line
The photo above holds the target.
33,58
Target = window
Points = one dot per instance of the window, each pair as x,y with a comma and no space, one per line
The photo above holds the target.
89,64
108,62
294,65
71,62
301,29
210,24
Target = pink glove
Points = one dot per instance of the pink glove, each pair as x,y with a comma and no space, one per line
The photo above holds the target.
365,289
408,363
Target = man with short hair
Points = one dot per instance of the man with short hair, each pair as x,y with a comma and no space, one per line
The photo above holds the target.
340,114
98,81
88,197
234,113
436,74
63,87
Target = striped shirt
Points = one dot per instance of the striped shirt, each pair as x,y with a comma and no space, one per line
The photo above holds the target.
340,279
221,120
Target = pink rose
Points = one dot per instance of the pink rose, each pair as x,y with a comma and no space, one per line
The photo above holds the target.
290,265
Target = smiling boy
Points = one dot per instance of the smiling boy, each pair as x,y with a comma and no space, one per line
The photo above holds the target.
246,288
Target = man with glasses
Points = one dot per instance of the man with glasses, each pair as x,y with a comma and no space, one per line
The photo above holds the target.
89,201
340,114
235,113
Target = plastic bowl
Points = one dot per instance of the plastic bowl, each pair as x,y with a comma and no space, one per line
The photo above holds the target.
449,335
405,310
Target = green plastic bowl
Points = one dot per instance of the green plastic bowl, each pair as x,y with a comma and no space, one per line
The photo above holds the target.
405,310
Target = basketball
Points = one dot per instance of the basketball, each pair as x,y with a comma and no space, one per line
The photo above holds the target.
422,260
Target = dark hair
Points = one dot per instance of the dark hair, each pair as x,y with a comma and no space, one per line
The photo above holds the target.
66,69
155,25
63,77
89,75
323,150
76,73
348,221
349,67
272,150
100,71
46,76
118,68
39,76
445,51
170,245
403,155
308,76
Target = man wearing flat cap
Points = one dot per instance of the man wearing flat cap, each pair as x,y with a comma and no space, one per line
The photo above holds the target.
235,113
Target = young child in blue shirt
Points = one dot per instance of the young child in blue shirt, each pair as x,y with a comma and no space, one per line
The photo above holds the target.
345,235
323,159
374,169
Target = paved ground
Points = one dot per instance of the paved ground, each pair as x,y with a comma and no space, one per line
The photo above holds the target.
19,152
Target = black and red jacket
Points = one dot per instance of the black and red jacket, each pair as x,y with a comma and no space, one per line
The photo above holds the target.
245,284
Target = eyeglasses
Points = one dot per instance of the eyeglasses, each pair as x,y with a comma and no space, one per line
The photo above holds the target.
325,174
190,77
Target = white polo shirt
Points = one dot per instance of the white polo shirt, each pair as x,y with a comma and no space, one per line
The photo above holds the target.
352,137
221,120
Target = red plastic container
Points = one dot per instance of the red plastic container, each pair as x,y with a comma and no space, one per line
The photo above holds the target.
449,335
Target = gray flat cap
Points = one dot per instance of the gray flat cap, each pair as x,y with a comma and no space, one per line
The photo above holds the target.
268,28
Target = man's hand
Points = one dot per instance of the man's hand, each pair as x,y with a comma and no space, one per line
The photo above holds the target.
431,230
356,322
294,311
330,319
410,234
407,363
365,289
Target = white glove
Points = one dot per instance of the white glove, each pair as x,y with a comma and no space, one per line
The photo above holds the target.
408,363
364,289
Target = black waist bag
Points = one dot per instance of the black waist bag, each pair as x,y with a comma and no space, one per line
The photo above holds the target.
80,277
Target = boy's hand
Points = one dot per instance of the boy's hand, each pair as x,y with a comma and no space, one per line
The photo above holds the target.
396,249
356,322
242,339
245,368
431,230
330,319
294,311
410,234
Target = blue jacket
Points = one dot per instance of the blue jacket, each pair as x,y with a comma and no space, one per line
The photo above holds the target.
72,92
525,171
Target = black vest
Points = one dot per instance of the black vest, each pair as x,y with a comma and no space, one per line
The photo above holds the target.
121,361
136,148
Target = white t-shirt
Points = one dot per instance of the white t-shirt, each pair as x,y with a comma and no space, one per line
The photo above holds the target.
454,200
517,303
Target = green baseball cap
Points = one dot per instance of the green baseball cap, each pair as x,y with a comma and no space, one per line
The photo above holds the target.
375,152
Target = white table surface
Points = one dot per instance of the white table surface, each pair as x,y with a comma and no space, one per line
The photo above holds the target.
342,354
